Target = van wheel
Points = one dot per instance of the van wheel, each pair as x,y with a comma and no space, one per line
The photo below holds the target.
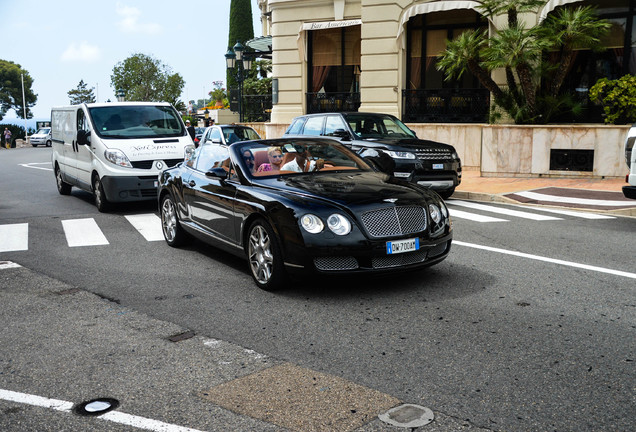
100,197
62,187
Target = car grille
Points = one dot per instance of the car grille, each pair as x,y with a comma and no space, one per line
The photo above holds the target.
434,154
336,263
147,164
394,221
399,260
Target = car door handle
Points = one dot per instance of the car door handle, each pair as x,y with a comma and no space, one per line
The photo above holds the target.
192,183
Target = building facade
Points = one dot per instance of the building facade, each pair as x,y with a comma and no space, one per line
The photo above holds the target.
380,56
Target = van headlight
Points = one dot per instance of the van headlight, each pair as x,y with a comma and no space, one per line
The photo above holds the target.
399,154
117,157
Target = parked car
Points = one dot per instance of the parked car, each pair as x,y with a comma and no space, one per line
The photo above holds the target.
332,215
375,136
198,133
630,157
228,134
41,137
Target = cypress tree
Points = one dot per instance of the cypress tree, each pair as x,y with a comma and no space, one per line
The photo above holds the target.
241,29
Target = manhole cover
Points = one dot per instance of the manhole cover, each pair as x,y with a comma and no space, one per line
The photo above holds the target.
408,416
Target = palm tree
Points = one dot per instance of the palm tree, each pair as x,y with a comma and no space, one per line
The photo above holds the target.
520,53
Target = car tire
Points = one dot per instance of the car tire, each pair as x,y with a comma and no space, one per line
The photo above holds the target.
447,193
101,202
264,257
48,143
62,187
173,233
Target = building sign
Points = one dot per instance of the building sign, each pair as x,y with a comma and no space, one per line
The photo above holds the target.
331,24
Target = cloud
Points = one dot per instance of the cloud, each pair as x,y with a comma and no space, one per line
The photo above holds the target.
83,52
130,21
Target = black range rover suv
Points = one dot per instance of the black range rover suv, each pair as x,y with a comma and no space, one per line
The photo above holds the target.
389,144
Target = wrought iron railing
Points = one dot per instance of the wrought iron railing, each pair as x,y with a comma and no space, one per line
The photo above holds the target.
446,105
257,108
332,102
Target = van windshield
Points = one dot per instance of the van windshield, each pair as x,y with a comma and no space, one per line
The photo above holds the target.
136,121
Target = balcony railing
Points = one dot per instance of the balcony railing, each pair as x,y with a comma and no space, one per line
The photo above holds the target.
332,102
446,105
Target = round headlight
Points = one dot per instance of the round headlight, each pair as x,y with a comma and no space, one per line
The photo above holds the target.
339,224
444,210
436,215
311,223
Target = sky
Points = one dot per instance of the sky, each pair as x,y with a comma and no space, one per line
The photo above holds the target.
61,42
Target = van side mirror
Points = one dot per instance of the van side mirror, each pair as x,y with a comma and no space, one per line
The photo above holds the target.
83,137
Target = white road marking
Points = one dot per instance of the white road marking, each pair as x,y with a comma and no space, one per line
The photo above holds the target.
8,264
29,399
570,200
30,165
83,232
546,259
583,215
14,237
148,225
113,416
502,210
473,216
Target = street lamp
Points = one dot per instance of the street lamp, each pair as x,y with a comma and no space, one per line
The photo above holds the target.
121,94
238,63
207,117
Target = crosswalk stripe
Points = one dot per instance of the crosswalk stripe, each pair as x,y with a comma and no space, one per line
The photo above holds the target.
148,225
583,215
572,200
502,210
14,237
83,232
473,216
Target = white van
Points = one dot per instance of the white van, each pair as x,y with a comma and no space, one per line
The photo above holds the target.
116,150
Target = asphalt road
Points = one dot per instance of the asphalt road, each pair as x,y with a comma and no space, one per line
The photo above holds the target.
496,337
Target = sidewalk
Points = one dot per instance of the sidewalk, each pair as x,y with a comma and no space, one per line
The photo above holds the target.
593,194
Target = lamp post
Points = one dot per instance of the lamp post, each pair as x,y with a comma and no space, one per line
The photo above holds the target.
238,63
207,117
121,94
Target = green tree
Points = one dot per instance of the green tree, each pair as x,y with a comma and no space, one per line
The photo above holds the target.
532,93
144,78
81,94
11,76
241,30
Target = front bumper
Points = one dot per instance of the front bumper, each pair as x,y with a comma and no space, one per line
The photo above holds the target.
629,192
368,257
132,188
437,175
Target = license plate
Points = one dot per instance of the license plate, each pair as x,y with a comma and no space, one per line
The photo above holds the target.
438,166
401,246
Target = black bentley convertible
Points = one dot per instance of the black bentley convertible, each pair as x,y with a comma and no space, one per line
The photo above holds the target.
301,205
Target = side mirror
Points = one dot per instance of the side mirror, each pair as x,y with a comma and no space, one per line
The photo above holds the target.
341,133
219,173
83,137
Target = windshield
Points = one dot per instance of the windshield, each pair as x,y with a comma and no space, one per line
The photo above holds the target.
43,131
378,126
239,133
287,158
136,121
